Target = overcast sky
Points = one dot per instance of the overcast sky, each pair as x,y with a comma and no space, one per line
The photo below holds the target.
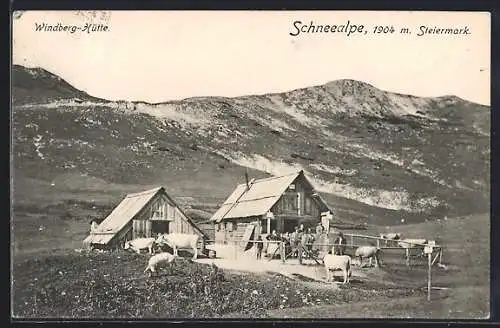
159,56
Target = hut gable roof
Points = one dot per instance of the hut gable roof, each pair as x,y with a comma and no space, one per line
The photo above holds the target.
256,200
122,214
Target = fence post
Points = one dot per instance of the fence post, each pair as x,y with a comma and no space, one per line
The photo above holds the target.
429,256
378,243
407,251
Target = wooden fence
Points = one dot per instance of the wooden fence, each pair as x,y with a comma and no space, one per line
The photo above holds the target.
353,241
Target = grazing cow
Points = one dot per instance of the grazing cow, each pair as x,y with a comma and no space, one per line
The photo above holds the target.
159,259
368,252
180,241
337,262
141,243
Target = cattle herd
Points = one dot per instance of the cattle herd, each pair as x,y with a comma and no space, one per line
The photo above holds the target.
333,260
343,262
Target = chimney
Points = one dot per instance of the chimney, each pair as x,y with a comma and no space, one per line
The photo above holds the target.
246,179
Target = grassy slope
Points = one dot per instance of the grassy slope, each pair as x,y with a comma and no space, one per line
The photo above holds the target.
462,303
113,286
393,291
151,152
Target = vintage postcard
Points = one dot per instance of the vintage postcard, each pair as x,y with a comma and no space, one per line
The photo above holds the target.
250,164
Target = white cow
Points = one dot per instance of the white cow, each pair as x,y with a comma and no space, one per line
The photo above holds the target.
141,243
337,262
368,252
159,259
180,241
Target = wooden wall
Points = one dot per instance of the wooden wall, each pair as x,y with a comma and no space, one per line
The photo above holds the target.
177,221
297,201
141,229
233,230
208,228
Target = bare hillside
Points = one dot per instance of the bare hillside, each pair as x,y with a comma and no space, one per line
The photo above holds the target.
377,156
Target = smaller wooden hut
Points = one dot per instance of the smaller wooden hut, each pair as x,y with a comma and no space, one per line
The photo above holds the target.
143,214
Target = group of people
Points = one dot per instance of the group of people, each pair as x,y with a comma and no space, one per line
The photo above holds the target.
298,236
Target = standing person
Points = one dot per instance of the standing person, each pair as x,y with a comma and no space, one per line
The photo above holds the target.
286,238
300,235
339,245
294,234
309,239
260,246
294,240
274,235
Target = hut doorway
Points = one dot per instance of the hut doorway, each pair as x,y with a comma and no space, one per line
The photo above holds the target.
290,224
159,227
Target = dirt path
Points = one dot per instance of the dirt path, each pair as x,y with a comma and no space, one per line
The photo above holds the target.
291,269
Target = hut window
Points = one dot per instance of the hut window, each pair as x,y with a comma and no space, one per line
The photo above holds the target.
290,202
217,227
308,206
230,226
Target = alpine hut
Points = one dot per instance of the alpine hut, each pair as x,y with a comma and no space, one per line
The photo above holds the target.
260,206
143,214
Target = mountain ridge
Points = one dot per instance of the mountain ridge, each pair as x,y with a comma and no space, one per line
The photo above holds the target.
370,151
328,84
